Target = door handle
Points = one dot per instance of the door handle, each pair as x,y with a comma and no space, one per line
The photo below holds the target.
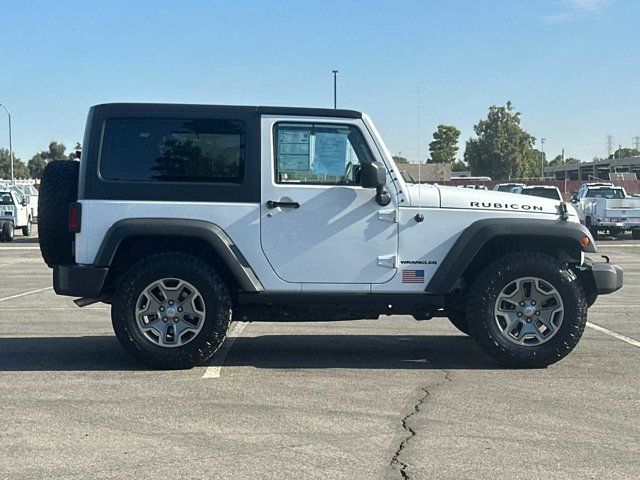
273,204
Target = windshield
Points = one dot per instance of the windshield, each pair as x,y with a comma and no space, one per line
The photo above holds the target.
506,188
605,193
5,199
551,193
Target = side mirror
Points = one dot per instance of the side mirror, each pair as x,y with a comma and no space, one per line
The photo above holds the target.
574,197
24,203
373,175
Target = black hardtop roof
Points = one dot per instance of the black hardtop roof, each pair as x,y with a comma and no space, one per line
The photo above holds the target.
175,108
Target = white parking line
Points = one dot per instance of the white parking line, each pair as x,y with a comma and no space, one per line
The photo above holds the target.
6,249
25,294
619,336
213,371
625,245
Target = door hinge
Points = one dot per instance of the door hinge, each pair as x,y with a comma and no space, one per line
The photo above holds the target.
387,215
387,261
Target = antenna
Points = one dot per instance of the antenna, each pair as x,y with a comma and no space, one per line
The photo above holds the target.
419,217
609,139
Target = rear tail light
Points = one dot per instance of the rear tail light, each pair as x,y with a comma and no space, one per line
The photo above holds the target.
75,217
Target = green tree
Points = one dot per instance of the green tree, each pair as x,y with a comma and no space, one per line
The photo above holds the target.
502,149
558,161
624,153
36,166
55,152
444,147
19,168
459,166
398,159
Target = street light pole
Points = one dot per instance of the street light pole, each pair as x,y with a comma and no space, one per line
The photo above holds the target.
335,88
13,180
542,140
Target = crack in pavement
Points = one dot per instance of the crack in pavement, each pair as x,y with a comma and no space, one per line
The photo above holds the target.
396,462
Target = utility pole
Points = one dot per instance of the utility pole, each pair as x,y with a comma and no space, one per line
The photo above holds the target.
335,88
542,140
13,180
609,139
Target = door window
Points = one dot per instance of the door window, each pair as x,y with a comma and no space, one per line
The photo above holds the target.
319,154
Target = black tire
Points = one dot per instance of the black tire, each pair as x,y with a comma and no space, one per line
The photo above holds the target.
172,265
458,317
495,277
26,231
635,233
593,230
58,188
7,232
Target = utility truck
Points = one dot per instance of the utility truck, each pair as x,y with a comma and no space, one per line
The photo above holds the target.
186,217
604,206
14,213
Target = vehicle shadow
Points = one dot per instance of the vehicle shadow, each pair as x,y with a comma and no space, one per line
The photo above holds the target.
103,353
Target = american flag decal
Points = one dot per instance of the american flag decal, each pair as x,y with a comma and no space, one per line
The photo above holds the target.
413,276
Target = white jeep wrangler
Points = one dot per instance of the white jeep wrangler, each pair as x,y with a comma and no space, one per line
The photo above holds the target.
184,217
14,213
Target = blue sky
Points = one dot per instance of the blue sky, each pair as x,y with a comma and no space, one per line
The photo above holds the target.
572,67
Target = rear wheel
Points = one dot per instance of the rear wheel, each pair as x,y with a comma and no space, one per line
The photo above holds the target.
7,232
171,311
26,230
528,310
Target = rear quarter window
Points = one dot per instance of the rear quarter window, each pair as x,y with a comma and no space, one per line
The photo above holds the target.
173,150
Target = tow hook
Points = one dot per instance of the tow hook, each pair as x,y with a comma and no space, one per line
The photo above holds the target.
606,259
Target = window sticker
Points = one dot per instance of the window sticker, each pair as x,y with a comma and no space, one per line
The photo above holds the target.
330,153
293,151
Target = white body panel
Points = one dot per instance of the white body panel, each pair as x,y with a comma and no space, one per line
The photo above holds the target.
337,235
617,212
340,239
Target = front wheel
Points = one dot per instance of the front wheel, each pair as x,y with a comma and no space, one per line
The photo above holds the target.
7,232
528,309
171,311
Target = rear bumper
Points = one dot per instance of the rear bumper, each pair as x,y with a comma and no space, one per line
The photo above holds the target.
607,277
79,280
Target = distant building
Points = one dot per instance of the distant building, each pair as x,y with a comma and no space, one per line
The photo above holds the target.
599,169
427,172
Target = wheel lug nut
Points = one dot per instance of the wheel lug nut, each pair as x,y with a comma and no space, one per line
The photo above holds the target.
519,314
533,302
176,320
170,302
179,309
162,309
522,304
528,320
537,312
164,319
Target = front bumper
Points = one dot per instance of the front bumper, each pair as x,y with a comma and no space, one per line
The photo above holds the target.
79,280
607,277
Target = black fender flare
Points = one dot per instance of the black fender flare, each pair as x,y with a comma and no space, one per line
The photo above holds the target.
211,233
476,235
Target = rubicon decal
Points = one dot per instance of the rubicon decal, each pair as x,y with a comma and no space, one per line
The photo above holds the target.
506,206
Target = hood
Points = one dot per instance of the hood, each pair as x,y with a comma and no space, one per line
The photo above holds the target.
466,198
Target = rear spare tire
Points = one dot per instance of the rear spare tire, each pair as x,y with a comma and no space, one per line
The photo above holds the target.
59,188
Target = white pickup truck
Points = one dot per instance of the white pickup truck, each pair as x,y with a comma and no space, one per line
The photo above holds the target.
607,207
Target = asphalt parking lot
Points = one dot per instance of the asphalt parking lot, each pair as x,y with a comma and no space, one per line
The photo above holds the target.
389,399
